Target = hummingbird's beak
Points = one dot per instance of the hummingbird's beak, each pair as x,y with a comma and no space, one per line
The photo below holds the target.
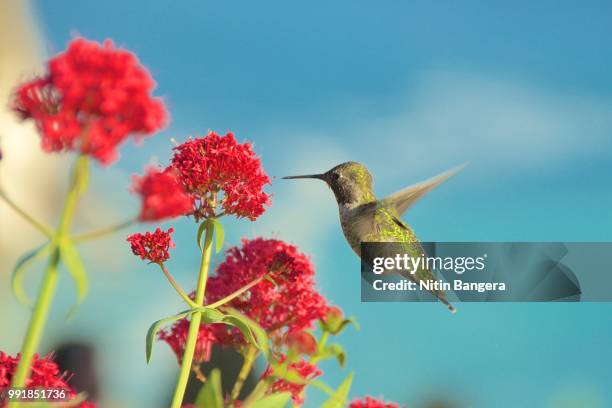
311,176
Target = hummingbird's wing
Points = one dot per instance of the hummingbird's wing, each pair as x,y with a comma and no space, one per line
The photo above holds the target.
403,199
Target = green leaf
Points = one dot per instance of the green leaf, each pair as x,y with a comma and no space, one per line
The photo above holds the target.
243,327
323,387
72,260
208,316
350,320
201,229
255,333
338,351
219,234
211,315
211,396
334,350
217,229
338,398
22,265
155,328
278,400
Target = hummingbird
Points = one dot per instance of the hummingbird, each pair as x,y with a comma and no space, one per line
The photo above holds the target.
364,218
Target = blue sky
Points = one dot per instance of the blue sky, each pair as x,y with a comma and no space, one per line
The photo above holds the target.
522,91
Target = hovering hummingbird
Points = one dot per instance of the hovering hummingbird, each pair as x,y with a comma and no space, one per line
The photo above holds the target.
364,218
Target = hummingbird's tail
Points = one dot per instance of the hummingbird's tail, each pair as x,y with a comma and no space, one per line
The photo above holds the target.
437,292
425,274
445,302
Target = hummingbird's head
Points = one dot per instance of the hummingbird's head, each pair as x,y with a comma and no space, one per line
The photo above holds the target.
351,183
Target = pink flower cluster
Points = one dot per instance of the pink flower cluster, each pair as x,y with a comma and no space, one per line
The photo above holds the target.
91,99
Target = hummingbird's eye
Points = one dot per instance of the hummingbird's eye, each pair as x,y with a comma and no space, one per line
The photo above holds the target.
335,176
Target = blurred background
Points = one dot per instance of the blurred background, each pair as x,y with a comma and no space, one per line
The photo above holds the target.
521,90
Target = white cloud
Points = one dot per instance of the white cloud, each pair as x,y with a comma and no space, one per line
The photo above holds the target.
451,117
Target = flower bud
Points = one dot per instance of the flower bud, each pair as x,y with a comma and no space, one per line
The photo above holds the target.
301,342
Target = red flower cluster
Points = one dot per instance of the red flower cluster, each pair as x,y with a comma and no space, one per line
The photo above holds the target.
162,195
290,304
176,337
152,246
92,98
304,369
45,374
369,402
216,164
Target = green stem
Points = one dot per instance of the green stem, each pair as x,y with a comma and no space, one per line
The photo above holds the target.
45,294
194,324
176,287
235,294
88,236
47,231
247,364
315,359
37,321
204,264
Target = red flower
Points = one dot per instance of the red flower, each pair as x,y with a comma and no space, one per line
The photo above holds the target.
92,98
45,374
162,195
216,164
290,304
176,337
152,246
369,402
304,369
